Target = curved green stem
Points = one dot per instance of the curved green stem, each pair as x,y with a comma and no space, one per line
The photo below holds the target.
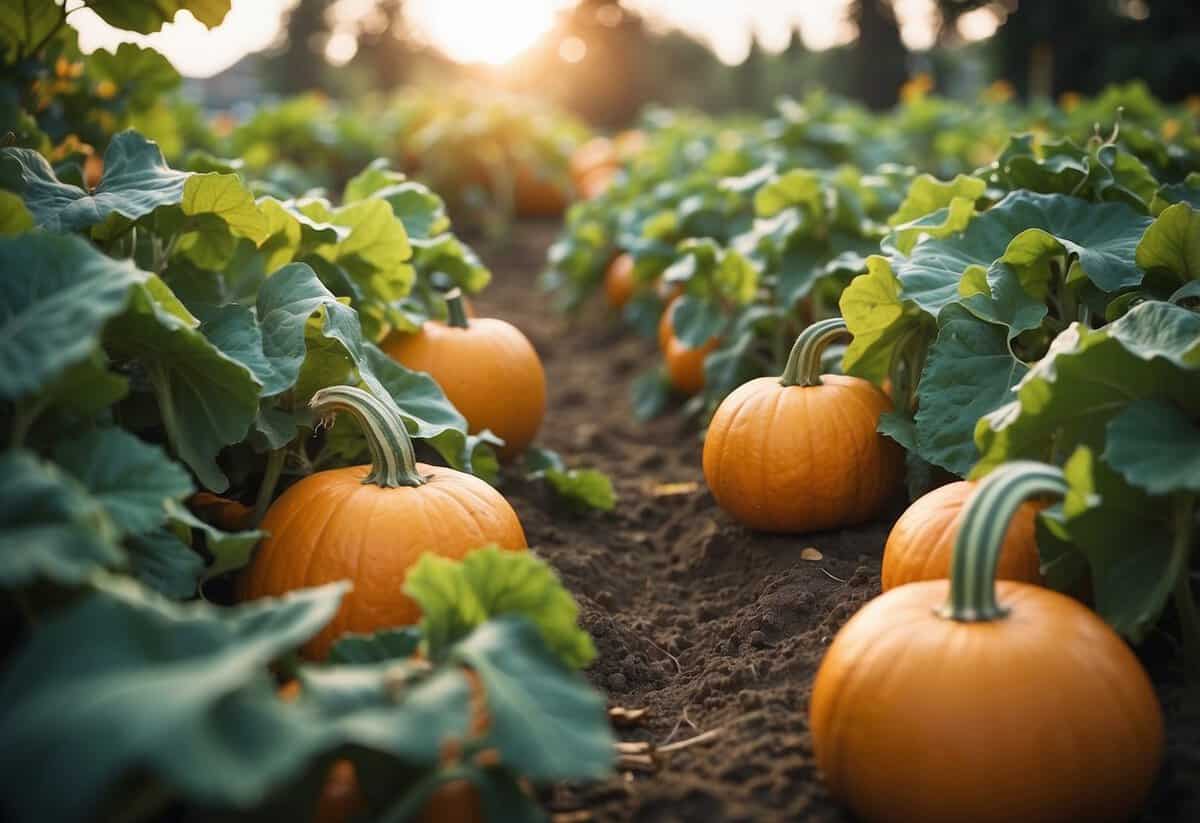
392,461
804,363
981,536
456,309
266,489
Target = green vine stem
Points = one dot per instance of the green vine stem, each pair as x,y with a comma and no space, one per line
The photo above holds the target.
1183,514
981,536
804,363
392,461
266,490
456,309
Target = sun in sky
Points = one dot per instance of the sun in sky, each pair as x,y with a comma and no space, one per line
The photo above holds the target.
490,32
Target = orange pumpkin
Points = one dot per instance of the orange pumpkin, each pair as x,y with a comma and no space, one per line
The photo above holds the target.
800,453
618,280
922,541
963,699
455,801
596,153
370,524
537,195
597,181
486,367
685,366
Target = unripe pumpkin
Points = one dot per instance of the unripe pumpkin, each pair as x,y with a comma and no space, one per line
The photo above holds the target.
685,366
370,524
921,543
486,367
963,699
801,453
618,280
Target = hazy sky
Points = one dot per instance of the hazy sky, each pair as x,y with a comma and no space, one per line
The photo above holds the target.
494,31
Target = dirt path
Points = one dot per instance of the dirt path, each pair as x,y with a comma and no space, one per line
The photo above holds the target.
705,624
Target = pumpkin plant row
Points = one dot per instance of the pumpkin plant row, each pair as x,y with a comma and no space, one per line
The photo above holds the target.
175,342
1040,300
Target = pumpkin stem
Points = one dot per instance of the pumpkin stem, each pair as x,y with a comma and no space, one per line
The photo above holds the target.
392,461
981,536
458,312
804,363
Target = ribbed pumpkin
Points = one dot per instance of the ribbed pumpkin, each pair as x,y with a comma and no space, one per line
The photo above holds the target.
921,543
951,700
597,153
486,367
618,280
800,453
597,181
685,366
370,524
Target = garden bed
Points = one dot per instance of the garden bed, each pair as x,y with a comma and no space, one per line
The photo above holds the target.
702,623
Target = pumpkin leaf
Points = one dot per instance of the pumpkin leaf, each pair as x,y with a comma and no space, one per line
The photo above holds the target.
581,488
148,16
1154,446
1172,242
388,644
879,319
935,209
695,320
207,399
447,255
181,692
57,294
141,73
228,551
1125,535
547,723
14,217
456,597
25,24
165,564
50,527
136,181
1089,377
130,478
969,372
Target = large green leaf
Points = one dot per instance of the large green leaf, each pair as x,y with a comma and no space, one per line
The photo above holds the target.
969,372
207,400
148,16
1173,243
1088,377
161,561
935,208
25,23
879,319
381,646
14,217
132,479
143,74
178,692
49,526
56,294
1155,447
1125,535
546,723
1025,230
136,181
582,489
457,597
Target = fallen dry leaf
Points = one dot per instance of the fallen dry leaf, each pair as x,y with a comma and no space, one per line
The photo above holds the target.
672,489
810,553
621,716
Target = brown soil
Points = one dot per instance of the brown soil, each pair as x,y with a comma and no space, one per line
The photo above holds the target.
705,624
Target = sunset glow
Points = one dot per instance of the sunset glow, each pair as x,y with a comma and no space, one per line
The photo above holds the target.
490,32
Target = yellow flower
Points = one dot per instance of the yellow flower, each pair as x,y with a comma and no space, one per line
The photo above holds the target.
916,88
1068,101
106,90
1000,91
1171,128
